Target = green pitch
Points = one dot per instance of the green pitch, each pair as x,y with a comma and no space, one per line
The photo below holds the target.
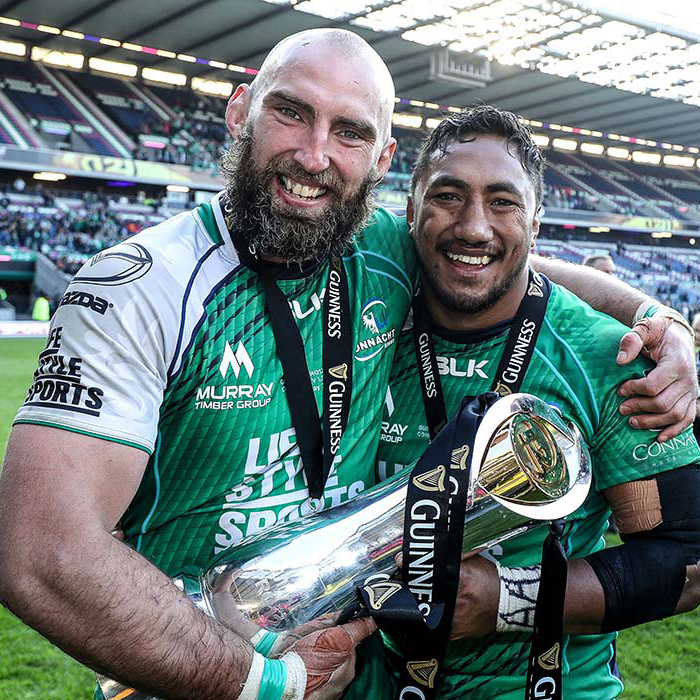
658,661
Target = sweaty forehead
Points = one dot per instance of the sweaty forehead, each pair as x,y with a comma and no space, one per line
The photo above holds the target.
479,163
330,76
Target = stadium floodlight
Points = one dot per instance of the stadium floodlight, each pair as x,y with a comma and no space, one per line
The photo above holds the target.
237,69
187,58
646,157
178,188
102,65
133,47
164,53
164,76
110,42
47,29
63,59
565,144
409,121
661,234
220,88
10,21
49,177
594,42
618,152
13,48
72,35
541,140
217,64
679,161
594,149
432,122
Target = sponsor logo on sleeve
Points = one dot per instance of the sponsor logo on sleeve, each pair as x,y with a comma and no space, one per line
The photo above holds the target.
86,300
58,382
126,263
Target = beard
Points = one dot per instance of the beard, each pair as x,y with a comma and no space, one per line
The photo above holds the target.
463,300
275,229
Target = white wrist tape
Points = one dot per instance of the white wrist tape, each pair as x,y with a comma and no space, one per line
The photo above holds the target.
252,682
518,598
650,309
294,687
296,677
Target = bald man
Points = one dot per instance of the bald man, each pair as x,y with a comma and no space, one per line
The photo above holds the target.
172,403
184,400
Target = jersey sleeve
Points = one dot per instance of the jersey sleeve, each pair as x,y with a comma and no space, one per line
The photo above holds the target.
386,240
622,453
104,369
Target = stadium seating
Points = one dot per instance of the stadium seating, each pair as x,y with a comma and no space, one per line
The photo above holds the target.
174,125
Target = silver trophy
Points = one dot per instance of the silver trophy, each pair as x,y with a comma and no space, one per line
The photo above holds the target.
528,466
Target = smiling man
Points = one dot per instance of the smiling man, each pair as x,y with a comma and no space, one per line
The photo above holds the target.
189,410
231,379
474,215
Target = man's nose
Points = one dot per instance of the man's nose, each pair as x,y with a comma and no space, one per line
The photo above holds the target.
473,224
312,152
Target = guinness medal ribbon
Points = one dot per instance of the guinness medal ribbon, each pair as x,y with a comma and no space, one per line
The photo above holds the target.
317,447
518,351
544,666
417,611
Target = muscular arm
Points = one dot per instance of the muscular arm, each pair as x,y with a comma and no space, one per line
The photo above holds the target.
665,399
585,603
603,292
63,573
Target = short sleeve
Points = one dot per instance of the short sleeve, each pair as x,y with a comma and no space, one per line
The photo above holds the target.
622,453
104,369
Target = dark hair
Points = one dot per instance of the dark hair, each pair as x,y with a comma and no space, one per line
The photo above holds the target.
484,119
591,260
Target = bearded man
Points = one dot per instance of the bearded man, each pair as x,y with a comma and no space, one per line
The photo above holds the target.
187,407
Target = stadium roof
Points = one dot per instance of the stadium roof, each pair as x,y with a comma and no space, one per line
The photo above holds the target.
548,60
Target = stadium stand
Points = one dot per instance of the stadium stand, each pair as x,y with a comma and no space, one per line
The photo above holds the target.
92,113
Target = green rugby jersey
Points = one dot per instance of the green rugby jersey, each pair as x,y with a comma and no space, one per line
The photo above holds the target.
573,367
164,343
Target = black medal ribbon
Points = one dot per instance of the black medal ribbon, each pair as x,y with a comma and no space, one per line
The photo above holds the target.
431,386
417,610
318,447
421,627
544,666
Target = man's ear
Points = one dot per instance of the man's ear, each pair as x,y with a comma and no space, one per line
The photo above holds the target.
237,109
535,228
409,212
385,156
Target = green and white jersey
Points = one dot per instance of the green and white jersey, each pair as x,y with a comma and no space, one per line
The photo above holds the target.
573,367
164,343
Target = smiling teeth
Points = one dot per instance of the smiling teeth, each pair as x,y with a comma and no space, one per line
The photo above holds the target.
302,190
470,259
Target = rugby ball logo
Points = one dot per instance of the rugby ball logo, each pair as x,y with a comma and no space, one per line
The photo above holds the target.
121,265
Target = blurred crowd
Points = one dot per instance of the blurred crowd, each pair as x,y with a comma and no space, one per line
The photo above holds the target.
67,237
